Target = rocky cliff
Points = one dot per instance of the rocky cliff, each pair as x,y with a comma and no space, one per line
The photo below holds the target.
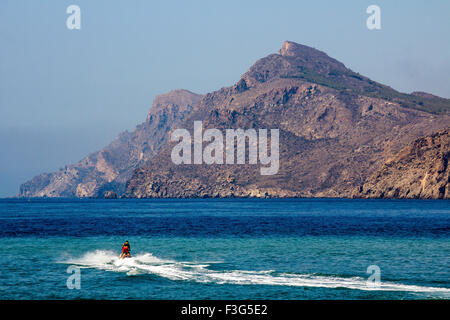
420,170
107,170
336,128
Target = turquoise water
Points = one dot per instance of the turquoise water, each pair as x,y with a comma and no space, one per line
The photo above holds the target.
225,249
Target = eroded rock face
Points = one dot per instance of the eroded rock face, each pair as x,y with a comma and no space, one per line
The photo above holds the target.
420,170
110,195
335,130
109,169
337,127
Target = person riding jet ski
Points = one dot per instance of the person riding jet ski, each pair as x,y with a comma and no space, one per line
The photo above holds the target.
125,250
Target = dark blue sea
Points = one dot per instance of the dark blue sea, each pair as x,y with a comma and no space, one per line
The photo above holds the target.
225,249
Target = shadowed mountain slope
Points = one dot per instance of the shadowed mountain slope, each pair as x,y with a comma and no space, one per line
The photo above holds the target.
420,170
109,168
336,128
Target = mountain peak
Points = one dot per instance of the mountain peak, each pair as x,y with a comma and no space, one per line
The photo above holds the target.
290,48
292,60
183,99
293,49
178,96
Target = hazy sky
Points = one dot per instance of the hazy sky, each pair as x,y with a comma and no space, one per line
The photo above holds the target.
65,93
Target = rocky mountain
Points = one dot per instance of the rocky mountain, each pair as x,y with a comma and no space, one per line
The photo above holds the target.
106,171
336,128
420,170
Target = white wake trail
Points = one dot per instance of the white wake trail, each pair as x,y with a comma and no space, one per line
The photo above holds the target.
186,271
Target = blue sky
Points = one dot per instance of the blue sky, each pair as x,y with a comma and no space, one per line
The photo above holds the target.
66,93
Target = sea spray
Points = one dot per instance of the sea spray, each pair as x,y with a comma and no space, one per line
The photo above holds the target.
146,263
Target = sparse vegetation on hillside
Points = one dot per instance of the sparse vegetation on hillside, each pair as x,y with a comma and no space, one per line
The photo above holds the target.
358,84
